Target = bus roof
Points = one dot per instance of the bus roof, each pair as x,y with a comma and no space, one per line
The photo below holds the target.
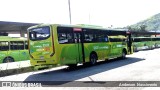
7,38
119,36
78,26
142,37
110,31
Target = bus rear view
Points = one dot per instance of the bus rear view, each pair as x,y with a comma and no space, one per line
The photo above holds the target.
41,45
55,45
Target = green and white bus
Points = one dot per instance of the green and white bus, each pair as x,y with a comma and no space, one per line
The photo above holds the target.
156,41
69,45
145,43
13,49
142,43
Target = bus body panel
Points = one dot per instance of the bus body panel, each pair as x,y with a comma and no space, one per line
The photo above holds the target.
3,55
157,44
41,50
101,49
24,54
15,54
68,54
143,43
114,50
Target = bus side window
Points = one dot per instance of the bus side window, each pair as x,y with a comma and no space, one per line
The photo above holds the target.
65,35
13,45
88,37
110,39
4,46
113,40
17,45
20,45
106,38
99,38
64,38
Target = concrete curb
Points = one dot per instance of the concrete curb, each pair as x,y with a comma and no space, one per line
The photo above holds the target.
16,71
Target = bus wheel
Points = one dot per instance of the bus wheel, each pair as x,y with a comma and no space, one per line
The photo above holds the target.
135,49
93,59
123,54
72,66
8,59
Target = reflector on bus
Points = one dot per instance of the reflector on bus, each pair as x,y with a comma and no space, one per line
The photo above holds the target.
128,32
77,29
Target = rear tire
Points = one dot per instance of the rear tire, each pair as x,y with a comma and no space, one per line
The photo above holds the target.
8,59
135,49
93,59
72,66
123,54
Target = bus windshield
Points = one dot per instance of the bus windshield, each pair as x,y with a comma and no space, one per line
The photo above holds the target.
39,33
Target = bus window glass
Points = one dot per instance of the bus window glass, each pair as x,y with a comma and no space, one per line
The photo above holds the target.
65,35
137,40
4,46
16,45
88,37
39,33
20,45
112,39
101,38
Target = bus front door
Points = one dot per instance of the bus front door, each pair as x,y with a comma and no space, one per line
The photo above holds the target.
79,47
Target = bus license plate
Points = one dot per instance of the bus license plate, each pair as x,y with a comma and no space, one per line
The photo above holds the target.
42,57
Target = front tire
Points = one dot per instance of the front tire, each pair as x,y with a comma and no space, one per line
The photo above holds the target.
123,55
8,59
135,49
93,59
72,66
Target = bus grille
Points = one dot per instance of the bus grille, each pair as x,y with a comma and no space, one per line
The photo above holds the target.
41,61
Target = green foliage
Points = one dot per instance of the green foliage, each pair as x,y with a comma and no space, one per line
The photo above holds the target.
152,23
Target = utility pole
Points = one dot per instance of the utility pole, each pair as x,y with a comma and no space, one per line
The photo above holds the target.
69,12
89,17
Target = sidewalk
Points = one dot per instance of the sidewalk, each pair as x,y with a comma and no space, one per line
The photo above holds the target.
15,68
14,65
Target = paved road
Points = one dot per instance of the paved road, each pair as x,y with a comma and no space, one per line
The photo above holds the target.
140,66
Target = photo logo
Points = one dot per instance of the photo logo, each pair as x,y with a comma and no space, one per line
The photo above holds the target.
6,84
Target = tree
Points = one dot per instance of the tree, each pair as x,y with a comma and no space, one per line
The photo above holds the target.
130,28
143,28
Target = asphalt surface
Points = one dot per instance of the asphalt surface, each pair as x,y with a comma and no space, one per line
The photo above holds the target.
140,66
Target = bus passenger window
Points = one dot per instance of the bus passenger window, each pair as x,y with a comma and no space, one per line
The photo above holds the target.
65,38
13,45
100,38
17,45
106,39
20,45
88,37
4,46
65,35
